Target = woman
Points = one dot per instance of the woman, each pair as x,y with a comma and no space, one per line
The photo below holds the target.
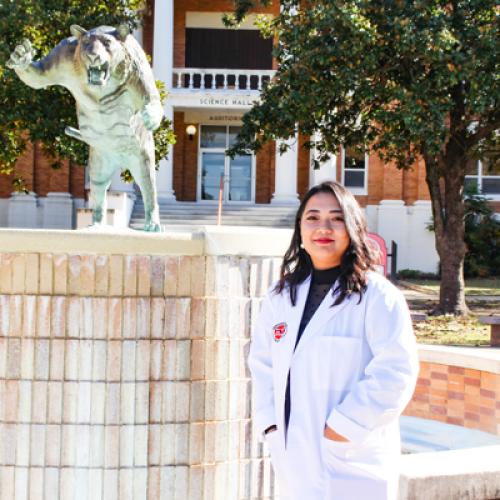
333,359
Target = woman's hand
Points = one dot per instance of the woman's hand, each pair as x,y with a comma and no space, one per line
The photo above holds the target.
271,428
329,433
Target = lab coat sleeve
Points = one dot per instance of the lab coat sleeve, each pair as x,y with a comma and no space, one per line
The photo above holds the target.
260,364
389,378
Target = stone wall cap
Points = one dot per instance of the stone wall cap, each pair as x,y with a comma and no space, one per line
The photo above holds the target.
451,462
247,241
394,203
59,194
482,358
175,240
107,240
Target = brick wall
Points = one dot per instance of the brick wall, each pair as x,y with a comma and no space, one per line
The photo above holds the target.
456,395
303,167
185,161
148,21
24,169
39,176
265,172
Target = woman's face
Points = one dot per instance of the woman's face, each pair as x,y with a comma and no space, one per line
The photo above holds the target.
323,231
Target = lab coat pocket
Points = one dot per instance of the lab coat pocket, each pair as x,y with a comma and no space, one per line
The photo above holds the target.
358,455
337,362
338,449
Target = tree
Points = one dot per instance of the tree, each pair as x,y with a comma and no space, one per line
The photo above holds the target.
42,115
403,79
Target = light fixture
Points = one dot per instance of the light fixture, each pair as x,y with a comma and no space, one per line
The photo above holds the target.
191,131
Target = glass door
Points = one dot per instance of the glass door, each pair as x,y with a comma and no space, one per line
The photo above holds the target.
240,178
212,165
237,174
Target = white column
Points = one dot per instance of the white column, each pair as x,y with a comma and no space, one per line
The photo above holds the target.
138,34
163,54
165,174
163,41
285,189
327,170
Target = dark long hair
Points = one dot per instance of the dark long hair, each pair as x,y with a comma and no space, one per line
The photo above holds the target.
356,261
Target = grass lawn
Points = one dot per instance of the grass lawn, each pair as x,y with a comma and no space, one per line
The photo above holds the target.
449,330
473,286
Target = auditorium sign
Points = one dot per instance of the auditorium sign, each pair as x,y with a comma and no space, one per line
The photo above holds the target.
206,116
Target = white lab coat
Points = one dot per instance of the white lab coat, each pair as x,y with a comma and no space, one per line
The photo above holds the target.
354,369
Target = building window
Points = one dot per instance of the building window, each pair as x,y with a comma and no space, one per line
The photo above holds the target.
354,170
227,48
485,177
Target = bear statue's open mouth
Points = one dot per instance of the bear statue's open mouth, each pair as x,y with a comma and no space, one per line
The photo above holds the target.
98,75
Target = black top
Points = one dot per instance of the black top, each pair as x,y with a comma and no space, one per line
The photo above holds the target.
321,282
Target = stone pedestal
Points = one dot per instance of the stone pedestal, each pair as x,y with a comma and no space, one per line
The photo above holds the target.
22,212
4,211
119,211
58,211
123,364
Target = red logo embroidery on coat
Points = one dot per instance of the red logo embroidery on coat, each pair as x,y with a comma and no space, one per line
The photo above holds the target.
279,331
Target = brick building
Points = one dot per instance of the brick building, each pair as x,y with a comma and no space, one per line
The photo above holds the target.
213,76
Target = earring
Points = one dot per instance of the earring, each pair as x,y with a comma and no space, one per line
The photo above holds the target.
302,246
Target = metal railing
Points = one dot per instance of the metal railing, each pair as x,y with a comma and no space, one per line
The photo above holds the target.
221,196
221,79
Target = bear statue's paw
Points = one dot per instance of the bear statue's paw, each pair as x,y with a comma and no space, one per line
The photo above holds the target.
22,56
152,227
152,115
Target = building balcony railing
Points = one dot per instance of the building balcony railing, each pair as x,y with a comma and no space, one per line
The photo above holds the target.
221,79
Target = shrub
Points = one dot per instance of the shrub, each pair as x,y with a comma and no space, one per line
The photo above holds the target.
482,236
414,274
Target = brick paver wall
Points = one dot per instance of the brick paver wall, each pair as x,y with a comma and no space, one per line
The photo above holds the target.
457,395
124,377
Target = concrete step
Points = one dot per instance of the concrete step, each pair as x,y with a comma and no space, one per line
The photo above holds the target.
188,217
198,222
214,212
189,213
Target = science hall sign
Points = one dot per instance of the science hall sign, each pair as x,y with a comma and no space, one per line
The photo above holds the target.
212,101
180,98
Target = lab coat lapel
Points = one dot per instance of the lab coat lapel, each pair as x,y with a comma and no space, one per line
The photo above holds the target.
325,312
294,315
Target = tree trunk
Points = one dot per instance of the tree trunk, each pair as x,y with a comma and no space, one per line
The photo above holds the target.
445,180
